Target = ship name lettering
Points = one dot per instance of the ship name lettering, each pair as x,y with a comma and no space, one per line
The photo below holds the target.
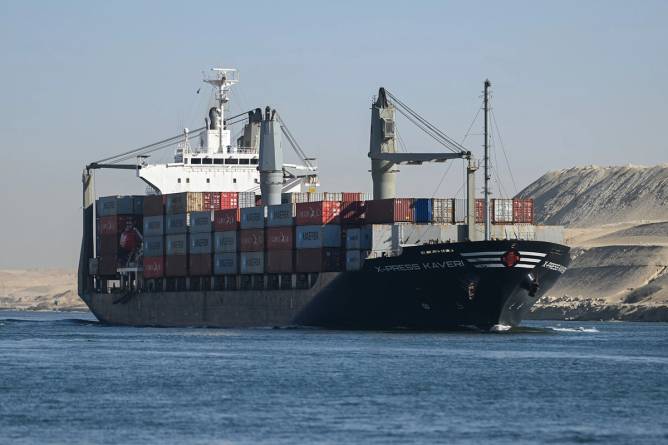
443,264
554,266
398,268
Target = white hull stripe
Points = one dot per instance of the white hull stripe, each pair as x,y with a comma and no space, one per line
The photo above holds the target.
481,254
522,266
490,260
533,254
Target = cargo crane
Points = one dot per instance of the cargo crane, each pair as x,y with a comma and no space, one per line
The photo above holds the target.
384,156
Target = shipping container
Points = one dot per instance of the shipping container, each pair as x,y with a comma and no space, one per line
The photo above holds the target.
176,266
184,202
107,265
154,225
113,225
315,196
353,212
443,211
502,211
377,237
353,238
279,261
319,260
229,200
199,265
280,238
460,210
321,212
106,206
154,266
175,224
523,211
246,199
154,246
200,243
512,231
408,234
352,196
251,240
225,242
210,201
201,222
130,205
176,244
316,237
154,205
294,197
281,215
251,262
227,219
385,211
252,217
480,210
551,234
422,210
353,260
225,264
332,196
107,245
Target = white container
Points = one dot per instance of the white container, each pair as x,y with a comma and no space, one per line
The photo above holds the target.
176,244
317,237
225,242
246,199
225,264
177,223
201,222
460,210
503,211
442,211
252,217
281,215
251,262
154,225
200,243
353,260
376,237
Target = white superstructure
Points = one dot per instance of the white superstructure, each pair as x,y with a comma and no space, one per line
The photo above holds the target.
211,161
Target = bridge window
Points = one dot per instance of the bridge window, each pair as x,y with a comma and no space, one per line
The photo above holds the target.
206,161
178,180
208,180
218,161
234,180
231,161
187,180
253,161
195,161
244,161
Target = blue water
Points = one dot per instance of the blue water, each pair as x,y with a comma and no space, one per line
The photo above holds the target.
64,378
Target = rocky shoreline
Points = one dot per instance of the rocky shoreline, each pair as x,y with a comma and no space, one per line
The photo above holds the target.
596,309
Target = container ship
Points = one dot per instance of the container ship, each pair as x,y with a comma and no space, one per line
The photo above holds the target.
229,235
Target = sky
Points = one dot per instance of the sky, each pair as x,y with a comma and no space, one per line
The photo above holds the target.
573,83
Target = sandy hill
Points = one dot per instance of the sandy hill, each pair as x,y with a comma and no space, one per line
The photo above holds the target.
590,196
37,289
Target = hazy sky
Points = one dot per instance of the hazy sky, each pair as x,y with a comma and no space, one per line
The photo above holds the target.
574,83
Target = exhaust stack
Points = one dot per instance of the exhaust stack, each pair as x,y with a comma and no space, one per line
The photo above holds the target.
271,159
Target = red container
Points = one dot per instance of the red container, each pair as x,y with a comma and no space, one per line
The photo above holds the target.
154,205
319,260
113,225
211,200
280,238
320,212
176,266
279,261
384,211
251,240
229,200
200,265
154,267
523,211
480,210
351,196
107,245
353,212
106,265
227,219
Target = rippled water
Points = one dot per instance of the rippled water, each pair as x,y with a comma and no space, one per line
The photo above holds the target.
66,379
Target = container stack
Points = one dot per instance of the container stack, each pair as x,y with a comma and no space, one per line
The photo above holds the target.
119,227
318,237
251,240
280,238
226,241
154,237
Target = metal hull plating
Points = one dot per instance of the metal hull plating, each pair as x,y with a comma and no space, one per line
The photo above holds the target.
431,287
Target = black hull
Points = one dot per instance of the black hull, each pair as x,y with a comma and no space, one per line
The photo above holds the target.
429,287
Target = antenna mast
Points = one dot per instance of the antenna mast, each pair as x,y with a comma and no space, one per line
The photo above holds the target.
486,190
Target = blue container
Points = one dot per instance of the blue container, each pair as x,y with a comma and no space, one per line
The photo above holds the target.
129,205
422,210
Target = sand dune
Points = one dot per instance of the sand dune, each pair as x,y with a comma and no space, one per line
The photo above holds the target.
39,289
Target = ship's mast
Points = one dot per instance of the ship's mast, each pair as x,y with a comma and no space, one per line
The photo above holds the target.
223,79
486,145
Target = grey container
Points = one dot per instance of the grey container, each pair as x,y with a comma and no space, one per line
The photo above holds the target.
176,244
226,242
252,217
317,237
106,206
246,199
200,222
460,210
353,238
251,262
200,243
443,211
154,225
417,234
154,246
281,215
177,223
376,237
130,205
225,264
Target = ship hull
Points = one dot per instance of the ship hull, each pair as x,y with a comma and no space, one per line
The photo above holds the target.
428,287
